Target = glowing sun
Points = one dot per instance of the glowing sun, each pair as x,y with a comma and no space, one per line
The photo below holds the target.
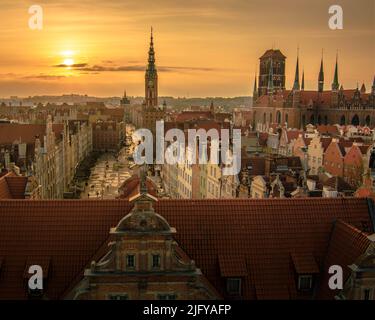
68,62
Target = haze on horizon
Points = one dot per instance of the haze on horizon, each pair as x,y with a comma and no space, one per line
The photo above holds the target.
203,48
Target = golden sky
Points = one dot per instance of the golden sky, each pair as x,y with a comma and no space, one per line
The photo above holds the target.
203,47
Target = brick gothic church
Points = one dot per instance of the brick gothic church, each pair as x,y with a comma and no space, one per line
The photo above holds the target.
298,107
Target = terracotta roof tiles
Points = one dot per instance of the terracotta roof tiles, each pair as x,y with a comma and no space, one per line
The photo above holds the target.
12,186
264,232
346,245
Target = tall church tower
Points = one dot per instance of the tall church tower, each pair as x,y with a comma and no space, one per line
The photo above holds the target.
151,78
272,62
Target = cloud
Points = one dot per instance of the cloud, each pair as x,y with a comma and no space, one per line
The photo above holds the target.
44,77
101,68
97,68
76,65
169,69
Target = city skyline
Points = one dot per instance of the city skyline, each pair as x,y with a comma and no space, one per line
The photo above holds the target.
224,41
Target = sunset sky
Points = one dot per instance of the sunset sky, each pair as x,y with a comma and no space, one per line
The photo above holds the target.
203,47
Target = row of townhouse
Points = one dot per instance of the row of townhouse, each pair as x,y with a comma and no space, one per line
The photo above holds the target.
51,152
186,180
56,161
342,157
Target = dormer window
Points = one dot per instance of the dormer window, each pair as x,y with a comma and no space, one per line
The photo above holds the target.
306,270
168,296
305,282
234,286
130,261
156,261
118,296
367,294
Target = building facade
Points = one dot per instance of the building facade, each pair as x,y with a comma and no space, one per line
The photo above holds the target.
298,107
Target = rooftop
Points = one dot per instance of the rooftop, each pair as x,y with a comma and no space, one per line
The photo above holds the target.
263,235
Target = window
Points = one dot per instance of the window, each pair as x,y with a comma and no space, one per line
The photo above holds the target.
305,282
117,296
130,261
234,286
167,296
156,261
366,294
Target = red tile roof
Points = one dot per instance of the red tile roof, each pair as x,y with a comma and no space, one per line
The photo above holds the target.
263,232
325,97
328,129
346,245
339,183
131,187
272,53
304,263
12,186
232,266
25,133
325,142
293,134
193,115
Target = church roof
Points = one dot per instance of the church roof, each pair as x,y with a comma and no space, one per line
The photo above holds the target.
273,53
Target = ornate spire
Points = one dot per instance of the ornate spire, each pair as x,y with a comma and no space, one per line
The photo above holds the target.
151,53
125,99
270,78
296,77
151,77
363,88
321,76
335,83
303,80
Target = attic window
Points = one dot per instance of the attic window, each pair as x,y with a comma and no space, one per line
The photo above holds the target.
367,294
305,282
234,286
168,296
118,296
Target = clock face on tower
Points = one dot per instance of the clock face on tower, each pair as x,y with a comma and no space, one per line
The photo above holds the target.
150,83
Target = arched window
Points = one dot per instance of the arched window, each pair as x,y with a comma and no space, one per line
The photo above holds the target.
319,120
312,119
342,120
264,118
303,120
325,120
271,118
278,117
368,120
355,120
286,118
